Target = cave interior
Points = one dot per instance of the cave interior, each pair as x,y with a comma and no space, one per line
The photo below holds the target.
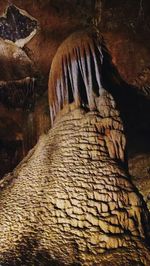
30,33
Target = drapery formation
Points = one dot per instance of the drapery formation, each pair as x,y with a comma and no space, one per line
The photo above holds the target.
76,73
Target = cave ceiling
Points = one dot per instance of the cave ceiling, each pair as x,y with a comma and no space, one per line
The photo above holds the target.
38,27
30,33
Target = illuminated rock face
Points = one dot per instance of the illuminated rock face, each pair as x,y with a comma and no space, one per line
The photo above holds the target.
71,201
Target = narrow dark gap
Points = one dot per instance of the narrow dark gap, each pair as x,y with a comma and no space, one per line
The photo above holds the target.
10,154
82,90
95,86
69,88
81,85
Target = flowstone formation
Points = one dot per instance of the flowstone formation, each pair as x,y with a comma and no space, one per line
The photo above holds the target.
71,200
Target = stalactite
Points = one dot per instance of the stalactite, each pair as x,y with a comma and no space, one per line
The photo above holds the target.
41,116
18,93
97,6
78,77
29,131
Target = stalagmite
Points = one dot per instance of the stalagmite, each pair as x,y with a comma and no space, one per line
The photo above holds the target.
71,200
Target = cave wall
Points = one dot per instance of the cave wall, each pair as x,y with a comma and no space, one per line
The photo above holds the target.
126,27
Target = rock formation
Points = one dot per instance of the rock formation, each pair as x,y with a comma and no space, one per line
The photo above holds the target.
71,200
125,27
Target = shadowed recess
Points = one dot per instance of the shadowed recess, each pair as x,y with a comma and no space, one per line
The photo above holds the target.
18,93
75,74
16,24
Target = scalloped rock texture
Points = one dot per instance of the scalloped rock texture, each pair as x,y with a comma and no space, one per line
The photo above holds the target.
126,29
77,206
139,167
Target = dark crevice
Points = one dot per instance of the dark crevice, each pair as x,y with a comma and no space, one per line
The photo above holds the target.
18,94
15,25
132,105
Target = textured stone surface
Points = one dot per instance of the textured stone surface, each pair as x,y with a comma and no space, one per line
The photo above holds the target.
68,201
139,166
15,64
38,224
77,203
125,27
